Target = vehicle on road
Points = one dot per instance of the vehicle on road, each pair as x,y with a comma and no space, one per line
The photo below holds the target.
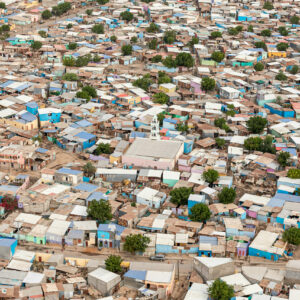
159,257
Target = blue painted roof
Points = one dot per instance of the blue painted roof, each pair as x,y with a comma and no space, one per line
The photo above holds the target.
292,151
276,202
6,83
111,228
208,240
75,234
135,134
29,117
23,87
136,274
69,171
32,104
85,135
287,197
9,188
84,123
97,196
86,187
7,242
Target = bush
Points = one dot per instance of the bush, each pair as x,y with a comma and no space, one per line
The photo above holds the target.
98,28
90,90
113,263
136,243
144,82
102,2
227,195
126,50
163,78
36,45
221,123
89,12
83,95
43,33
220,143
256,124
199,213
180,196
169,37
266,32
294,20
280,76
282,46
100,210
103,148
161,98
182,127
208,84
113,38
292,236
283,31
69,61
220,290
218,56
268,5
133,40
83,60
261,45
294,70
153,28
89,169
46,14
294,173
169,62
259,67
126,16
250,28
184,59
156,58
283,158
233,31
70,77
153,44
72,46
193,41
211,176
216,34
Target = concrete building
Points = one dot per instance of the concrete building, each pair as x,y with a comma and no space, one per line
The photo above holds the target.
150,197
68,176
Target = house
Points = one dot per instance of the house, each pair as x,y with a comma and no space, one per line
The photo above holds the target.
197,291
68,176
150,197
49,115
56,232
109,235
7,248
266,245
104,281
229,92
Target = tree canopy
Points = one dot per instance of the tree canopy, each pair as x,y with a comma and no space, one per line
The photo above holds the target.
169,37
126,16
283,31
256,124
294,19
211,176
98,28
136,243
259,67
266,32
103,148
259,144
113,263
294,70
218,56
184,59
220,143
281,76
126,50
72,46
227,195
36,45
208,84
216,34
153,28
220,290
46,14
181,195
144,82
283,158
268,5
293,173
261,44
292,236
169,62
282,46
163,78
153,44
89,169
200,213
100,210
161,98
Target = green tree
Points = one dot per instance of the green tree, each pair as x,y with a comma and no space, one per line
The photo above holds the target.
220,143
153,44
221,123
169,62
89,169
100,210
96,58
126,50
233,31
259,67
268,5
293,173
182,127
2,5
46,14
283,158
294,70
43,33
83,60
72,46
90,90
98,28
144,82
69,26
169,37
256,124
266,32
261,45
208,84
227,195
220,290
184,59
153,28
133,40
292,236
250,28
282,46
5,27
294,20
69,61
194,41
113,38
83,95
163,78
102,2
281,76
70,77
126,16
103,148
89,12
239,28
36,45
180,196
113,263
160,98
136,243
218,56
199,213
156,58
283,31
211,176
216,34
160,118
253,144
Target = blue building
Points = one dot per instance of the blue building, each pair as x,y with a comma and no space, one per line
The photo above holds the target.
32,107
49,114
86,139
109,235
195,199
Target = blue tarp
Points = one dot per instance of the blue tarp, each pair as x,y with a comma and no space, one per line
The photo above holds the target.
69,171
136,274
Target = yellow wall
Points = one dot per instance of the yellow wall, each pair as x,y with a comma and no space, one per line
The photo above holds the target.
79,262
13,122
44,256
166,90
113,159
276,54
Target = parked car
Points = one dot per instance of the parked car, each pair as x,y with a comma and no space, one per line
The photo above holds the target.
159,257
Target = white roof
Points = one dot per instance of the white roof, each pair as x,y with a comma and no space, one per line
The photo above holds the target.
58,227
7,112
264,241
85,225
212,262
24,255
258,200
115,171
54,216
261,297
103,275
236,279
28,218
165,239
147,193
159,276
79,210
294,294
19,265
172,175
197,291
33,277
